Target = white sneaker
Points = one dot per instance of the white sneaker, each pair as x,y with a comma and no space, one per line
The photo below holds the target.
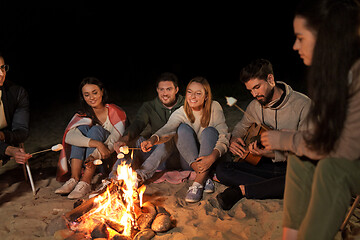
81,189
67,187
194,194
100,189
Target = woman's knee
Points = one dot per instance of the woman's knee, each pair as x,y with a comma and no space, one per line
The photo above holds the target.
184,130
97,133
209,133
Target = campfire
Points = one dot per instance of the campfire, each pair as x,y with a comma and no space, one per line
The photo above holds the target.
119,213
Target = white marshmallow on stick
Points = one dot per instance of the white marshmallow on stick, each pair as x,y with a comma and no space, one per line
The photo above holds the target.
54,148
57,147
97,162
124,149
231,101
120,156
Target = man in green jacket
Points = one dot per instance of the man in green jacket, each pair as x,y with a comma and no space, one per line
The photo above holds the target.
155,114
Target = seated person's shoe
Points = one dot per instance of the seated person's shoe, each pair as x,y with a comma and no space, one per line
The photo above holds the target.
194,194
68,186
209,186
100,189
81,189
228,198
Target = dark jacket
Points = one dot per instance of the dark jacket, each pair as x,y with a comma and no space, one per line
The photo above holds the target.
16,109
152,113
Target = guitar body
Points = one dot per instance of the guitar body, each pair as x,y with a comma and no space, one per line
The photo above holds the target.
251,136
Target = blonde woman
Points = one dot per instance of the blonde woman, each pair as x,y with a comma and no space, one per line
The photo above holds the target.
202,136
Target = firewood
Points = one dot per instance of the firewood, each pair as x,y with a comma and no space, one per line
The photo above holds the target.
77,212
114,225
100,231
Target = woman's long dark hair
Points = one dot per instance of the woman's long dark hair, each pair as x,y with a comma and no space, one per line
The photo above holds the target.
336,25
85,109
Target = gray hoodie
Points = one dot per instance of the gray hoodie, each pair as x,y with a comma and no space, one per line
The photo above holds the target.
289,113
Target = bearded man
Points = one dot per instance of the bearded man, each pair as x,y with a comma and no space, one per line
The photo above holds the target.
276,106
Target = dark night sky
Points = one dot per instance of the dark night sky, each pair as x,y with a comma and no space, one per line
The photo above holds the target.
53,48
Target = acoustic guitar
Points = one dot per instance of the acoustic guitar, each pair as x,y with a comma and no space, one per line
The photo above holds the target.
253,134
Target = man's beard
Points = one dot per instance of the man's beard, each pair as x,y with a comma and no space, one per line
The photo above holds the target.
267,98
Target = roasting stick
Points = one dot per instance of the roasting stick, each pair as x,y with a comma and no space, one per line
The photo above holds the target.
54,148
30,178
232,102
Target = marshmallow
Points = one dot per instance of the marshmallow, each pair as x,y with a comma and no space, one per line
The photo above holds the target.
97,162
57,147
230,101
124,149
120,156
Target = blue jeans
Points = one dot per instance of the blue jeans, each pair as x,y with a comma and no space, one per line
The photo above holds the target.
96,132
190,147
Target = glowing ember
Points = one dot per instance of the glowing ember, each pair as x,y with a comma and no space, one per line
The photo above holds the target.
115,208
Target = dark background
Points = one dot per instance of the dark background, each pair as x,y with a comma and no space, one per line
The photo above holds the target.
51,48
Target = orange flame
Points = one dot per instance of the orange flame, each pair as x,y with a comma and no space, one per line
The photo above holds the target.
116,206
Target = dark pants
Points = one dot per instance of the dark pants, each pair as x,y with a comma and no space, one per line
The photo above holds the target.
266,180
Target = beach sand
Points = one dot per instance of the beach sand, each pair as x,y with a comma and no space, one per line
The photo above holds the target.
25,216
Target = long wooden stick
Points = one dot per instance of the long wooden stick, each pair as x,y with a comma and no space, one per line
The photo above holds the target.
252,118
46,150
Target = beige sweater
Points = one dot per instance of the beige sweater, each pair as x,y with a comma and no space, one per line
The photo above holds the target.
290,114
217,120
348,144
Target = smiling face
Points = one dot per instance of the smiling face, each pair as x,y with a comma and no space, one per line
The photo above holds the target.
305,40
92,95
196,96
167,93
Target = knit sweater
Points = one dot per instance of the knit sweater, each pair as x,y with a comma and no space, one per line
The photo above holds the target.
289,113
217,120
347,145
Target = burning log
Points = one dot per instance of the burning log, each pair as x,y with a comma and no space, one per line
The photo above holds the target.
118,212
100,231
77,212
114,225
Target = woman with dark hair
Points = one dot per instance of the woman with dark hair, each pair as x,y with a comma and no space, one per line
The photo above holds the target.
90,135
202,136
325,172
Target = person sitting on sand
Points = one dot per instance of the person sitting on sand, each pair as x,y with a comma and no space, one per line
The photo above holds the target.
200,133
90,135
14,118
324,171
155,114
276,106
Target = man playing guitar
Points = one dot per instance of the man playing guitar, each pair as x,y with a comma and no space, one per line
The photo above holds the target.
260,174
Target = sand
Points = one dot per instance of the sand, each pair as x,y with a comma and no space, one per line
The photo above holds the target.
25,216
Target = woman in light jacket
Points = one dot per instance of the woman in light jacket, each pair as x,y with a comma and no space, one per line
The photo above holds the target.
202,136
